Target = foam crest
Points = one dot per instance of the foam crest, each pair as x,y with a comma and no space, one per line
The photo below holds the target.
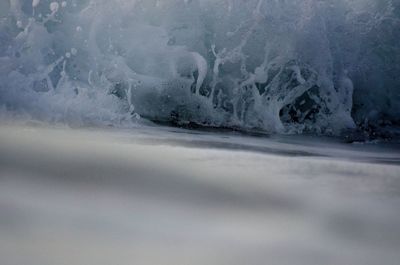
279,66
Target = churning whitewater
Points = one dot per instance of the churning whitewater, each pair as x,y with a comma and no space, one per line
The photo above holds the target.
320,66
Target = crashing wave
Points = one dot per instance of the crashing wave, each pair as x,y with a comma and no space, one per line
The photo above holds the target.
278,66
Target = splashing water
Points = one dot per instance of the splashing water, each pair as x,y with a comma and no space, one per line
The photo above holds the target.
279,66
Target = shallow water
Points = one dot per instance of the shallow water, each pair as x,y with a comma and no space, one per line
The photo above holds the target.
159,195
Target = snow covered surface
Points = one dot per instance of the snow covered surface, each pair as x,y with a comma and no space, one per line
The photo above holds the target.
159,195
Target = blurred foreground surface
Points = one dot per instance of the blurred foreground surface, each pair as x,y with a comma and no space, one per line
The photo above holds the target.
170,196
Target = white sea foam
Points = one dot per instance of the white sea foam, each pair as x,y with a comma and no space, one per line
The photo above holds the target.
279,66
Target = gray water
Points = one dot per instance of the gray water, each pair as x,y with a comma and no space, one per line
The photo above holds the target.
156,195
